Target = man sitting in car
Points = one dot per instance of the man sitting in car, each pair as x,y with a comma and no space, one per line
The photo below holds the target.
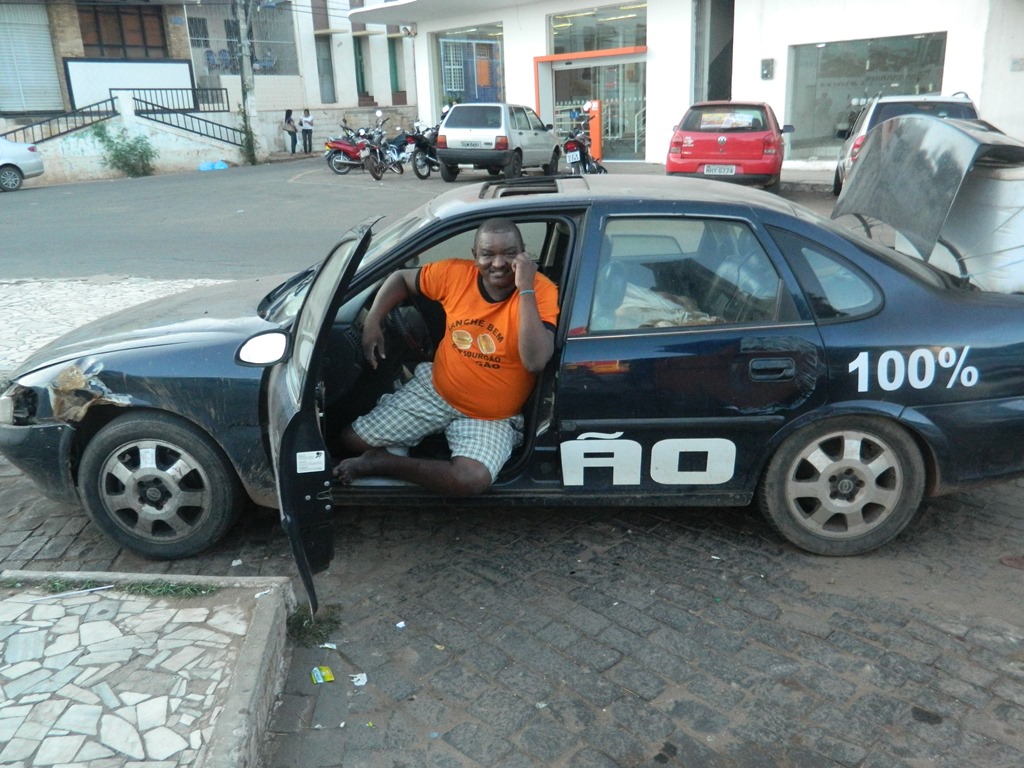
500,323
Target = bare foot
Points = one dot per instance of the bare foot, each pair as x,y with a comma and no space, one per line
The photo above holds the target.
364,465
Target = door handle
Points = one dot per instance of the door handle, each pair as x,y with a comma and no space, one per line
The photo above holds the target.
772,369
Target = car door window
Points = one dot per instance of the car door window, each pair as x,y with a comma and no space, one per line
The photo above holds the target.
519,119
835,288
535,122
680,273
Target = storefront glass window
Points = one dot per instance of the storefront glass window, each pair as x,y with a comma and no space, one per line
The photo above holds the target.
470,62
828,82
599,29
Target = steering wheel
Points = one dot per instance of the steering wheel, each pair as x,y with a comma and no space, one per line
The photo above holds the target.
408,325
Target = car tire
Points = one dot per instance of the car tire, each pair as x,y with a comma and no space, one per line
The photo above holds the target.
837,184
514,167
10,179
159,486
494,171
420,164
774,185
449,172
843,486
551,169
339,163
576,169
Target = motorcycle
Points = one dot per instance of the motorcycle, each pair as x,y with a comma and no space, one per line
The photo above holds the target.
576,146
381,154
342,153
424,138
424,155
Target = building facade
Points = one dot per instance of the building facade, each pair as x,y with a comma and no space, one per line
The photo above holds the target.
645,60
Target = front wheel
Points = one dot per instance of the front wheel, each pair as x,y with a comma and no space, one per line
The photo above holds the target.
449,172
514,167
159,486
843,486
397,166
374,166
420,164
339,163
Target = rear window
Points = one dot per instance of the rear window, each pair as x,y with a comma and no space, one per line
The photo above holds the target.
719,119
957,110
474,116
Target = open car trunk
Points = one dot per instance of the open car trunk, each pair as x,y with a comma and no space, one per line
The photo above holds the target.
952,192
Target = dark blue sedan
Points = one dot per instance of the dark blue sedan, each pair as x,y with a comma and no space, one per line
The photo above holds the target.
716,346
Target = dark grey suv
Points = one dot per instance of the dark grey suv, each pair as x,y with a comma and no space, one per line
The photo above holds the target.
881,108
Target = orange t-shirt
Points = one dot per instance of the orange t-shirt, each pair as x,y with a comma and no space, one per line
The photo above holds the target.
477,368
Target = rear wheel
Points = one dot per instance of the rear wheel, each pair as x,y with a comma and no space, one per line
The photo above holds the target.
159,486
576,169
10,178
514,167
844,486
338,163
449,172
551,169
420,164
774,185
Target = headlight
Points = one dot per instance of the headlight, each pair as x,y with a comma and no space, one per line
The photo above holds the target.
17,405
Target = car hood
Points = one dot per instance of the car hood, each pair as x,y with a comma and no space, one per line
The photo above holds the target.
911,172
223,310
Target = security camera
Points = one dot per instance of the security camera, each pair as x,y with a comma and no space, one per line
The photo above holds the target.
408,32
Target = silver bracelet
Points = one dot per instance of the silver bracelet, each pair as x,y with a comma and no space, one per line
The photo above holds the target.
528,290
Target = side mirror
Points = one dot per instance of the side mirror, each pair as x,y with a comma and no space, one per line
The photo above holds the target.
843,134
549,127
263,349
788,128
445,108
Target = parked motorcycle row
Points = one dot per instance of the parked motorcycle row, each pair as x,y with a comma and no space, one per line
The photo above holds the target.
370,149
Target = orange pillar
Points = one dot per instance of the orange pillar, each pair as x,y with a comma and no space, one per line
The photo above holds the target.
595,130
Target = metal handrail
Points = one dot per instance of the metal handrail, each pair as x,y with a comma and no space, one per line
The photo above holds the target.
183,99
184,121
66,123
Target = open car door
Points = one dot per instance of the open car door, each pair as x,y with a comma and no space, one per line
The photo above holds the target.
298,451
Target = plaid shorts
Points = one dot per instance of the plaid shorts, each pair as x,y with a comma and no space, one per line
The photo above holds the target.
416,410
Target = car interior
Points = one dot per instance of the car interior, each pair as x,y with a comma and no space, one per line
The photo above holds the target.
350,387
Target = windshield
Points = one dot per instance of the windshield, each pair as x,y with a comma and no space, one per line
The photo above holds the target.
283,303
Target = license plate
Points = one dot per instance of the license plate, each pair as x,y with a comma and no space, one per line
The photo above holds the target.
719,170
471,144
364,152
572,157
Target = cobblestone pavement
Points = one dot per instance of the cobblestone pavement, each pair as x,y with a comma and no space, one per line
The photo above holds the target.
625,637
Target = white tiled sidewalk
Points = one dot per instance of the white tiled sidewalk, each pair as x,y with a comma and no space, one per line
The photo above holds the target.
106,679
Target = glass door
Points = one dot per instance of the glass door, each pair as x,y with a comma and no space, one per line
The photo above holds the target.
621,87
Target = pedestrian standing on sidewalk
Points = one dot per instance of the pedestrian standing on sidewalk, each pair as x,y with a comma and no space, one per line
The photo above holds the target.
306,124
289,128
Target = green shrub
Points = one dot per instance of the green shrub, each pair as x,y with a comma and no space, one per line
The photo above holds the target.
133,156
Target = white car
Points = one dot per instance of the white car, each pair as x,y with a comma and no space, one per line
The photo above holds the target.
18,162
500,137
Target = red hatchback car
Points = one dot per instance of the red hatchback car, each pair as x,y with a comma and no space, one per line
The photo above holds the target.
729,140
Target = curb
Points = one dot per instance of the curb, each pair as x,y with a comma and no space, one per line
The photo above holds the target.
260,668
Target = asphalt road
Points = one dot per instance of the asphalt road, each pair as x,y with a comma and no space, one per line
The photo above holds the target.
240,222
583,638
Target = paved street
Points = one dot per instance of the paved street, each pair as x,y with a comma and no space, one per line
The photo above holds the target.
587,638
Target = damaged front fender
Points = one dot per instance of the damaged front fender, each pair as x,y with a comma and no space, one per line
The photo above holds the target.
74,390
